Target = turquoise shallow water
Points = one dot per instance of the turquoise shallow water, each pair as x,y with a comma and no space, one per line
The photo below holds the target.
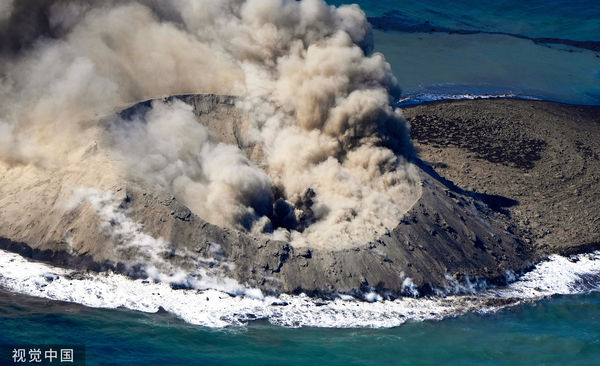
571,19
447,62
561,331
441,63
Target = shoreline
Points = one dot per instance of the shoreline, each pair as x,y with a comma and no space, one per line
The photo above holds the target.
406,102
210,308
424,250
477,97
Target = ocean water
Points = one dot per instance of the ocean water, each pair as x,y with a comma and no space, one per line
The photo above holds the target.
522,48
559,331
569,19
550,316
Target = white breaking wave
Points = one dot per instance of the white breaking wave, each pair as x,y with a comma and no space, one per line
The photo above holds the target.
213,308
423,98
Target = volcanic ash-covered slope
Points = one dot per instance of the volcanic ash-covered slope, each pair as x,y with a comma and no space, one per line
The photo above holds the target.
111,217
541,158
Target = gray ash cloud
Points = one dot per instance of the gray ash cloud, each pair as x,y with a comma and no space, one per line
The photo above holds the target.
318,102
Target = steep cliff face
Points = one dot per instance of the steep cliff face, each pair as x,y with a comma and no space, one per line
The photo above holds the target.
107,218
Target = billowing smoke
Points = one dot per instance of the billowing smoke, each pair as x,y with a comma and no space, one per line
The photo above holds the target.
330,164
5,9
216,180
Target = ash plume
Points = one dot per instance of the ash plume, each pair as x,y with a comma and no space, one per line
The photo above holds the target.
331,166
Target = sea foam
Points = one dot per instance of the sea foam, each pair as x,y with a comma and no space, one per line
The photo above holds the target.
425,98
213,308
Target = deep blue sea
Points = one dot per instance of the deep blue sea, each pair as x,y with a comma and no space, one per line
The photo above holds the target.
543,49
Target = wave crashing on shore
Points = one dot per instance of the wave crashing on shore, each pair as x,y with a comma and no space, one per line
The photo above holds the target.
216,307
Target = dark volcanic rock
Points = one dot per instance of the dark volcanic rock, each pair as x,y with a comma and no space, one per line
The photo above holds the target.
451,234
544,164
479,136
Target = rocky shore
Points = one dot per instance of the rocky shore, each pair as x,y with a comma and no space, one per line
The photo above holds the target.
504,183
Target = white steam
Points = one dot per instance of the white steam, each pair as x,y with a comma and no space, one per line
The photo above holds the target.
330,167
132,242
